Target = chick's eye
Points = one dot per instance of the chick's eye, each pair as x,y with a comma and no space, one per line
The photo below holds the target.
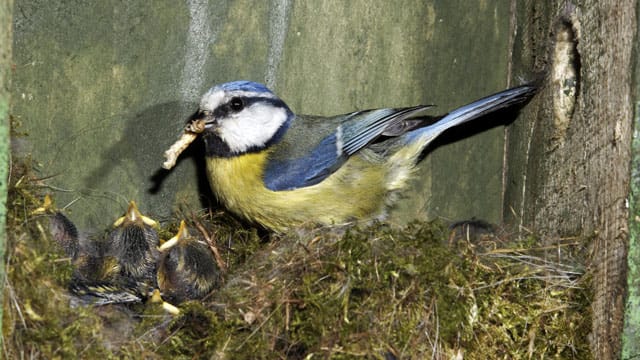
236,104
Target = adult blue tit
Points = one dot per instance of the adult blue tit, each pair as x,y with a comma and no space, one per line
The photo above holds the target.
280,170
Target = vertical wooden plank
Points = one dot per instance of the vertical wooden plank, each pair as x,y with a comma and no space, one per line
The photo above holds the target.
575,178
631,336
631,340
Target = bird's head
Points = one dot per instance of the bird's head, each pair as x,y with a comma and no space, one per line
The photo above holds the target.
242,117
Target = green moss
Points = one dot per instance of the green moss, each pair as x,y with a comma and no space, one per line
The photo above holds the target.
418,292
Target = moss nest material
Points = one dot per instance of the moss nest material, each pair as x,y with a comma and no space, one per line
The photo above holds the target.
423,291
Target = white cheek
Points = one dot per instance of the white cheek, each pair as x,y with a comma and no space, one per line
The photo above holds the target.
252,127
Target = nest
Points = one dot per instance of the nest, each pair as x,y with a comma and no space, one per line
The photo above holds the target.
423,291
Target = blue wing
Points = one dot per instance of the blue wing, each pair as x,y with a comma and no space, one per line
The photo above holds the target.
309,170
341,136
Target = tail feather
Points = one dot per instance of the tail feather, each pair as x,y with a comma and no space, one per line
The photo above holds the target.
401,163
472,111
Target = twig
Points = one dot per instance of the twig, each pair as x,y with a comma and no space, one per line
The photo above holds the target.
212,244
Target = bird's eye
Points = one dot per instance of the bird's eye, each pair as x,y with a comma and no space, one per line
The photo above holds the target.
236,104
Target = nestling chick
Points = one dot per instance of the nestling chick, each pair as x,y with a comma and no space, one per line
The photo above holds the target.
187,269
279,169
62,230
134,243
65,234
97,278
95,264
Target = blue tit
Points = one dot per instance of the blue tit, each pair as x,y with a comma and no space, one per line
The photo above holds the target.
64,233
280,170
134,242
62,230
97,278
187,268
94,265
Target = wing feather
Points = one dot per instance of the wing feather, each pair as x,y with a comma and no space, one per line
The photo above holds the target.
351,133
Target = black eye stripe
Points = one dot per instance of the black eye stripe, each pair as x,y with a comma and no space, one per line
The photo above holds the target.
248,101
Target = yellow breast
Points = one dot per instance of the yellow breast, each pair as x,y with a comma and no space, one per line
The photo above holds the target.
356,191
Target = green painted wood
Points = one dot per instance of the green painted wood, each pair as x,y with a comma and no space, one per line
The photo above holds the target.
6,8
104,88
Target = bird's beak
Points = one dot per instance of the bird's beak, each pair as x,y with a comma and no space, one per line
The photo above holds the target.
47,204
203,117
182,233
133,215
